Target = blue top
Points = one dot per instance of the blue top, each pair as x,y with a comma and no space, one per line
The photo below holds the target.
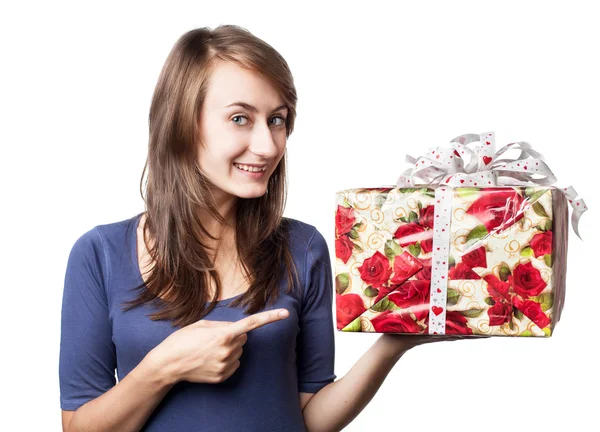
279,360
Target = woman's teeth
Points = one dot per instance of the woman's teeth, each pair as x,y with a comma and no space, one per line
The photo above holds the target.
248,168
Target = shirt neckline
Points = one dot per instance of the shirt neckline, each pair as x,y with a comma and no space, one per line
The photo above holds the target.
138,271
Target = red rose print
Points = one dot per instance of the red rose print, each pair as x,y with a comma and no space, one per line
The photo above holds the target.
500,313
344,248
410,233
526,280
456,323
383,291
541,244
413,295
405,265
348,308
375,270
427,245
426,217
462,271
533,311
498,290
425,273
344,220
395,322
475,258
498,208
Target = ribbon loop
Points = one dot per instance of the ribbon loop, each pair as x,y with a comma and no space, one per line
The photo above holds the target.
446,166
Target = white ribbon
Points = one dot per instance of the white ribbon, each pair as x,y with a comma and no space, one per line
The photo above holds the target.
446,166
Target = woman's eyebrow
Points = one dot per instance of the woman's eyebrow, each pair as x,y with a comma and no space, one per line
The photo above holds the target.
252,108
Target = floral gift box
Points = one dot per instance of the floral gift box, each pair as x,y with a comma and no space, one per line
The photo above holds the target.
479,250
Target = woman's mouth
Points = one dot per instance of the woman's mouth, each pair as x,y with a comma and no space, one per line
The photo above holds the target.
250,171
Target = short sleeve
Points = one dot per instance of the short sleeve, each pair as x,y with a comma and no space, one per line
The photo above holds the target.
316,343
87,353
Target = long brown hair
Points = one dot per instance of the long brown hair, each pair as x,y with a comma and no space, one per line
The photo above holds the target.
176,189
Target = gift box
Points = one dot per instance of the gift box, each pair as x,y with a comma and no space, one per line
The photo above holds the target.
466,243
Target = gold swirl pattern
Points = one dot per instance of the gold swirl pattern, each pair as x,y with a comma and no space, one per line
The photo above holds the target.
467,288
512,247
375,240
523,226
364,224
362,200
376,216
500,235
413,204
366,325
473,304
459,240
483,326
507,330
533,328
399,212
354,269
459,211
546,275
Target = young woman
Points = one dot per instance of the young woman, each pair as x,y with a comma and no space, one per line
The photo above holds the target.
184,300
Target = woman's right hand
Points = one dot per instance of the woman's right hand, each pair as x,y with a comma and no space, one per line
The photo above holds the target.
208,351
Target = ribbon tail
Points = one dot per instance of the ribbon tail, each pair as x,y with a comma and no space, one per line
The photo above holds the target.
578,207
575,223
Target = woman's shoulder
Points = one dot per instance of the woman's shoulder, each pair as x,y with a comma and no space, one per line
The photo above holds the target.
302,234
108,238
299,229
118,229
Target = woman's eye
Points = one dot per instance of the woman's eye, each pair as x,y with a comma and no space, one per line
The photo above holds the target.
239,117
280,118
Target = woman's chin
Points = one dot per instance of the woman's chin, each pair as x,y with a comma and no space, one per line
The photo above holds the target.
251,193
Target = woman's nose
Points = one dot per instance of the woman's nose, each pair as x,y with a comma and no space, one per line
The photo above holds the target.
264,142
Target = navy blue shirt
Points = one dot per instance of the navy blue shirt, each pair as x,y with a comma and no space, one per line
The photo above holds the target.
279,360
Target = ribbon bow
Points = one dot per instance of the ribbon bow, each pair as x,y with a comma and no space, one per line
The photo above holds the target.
446,165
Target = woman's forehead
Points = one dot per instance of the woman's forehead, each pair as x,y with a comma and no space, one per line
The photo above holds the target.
233,87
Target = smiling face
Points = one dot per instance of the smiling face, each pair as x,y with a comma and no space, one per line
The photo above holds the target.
251,133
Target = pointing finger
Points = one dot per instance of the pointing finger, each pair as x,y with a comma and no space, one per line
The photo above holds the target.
257,320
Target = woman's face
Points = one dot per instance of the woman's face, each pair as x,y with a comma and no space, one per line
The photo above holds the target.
246,134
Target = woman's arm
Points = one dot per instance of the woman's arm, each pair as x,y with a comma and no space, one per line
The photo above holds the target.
334,406
127,405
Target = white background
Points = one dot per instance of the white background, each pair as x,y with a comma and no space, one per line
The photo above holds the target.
375,81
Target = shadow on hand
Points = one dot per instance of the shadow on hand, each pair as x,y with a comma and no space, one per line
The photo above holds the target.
412,340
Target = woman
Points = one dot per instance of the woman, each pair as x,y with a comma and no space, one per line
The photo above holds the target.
183,300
